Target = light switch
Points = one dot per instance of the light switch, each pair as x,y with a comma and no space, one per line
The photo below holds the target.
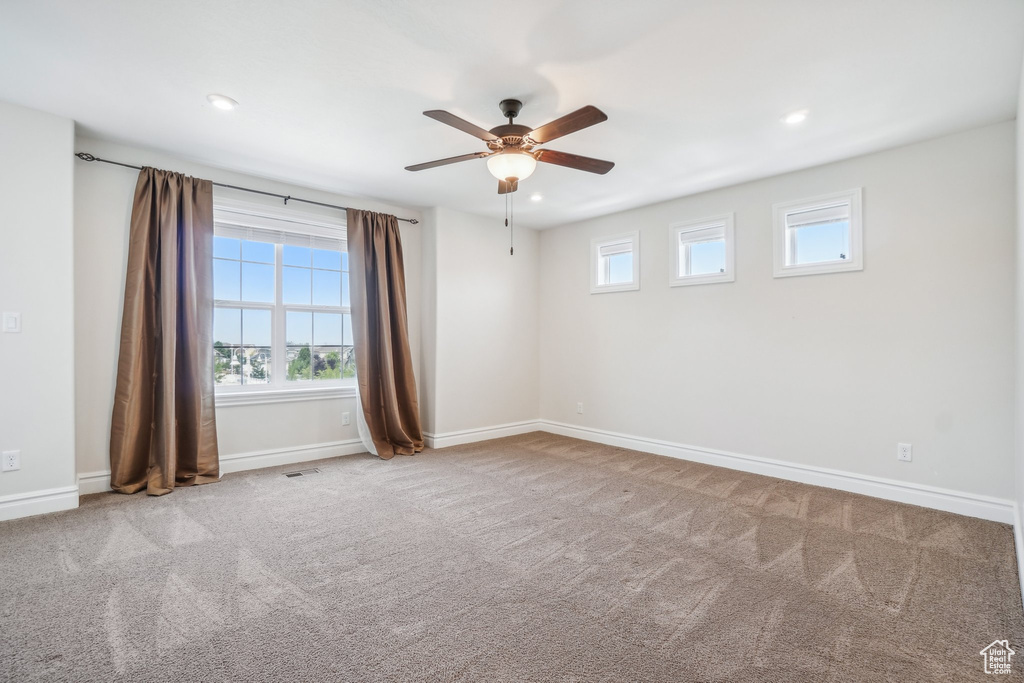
12,322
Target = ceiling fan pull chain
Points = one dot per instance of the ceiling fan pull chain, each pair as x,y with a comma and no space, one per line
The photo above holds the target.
512,227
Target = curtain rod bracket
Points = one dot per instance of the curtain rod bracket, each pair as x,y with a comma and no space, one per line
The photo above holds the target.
85,156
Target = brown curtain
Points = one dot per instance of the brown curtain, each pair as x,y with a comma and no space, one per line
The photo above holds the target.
380,327
163,432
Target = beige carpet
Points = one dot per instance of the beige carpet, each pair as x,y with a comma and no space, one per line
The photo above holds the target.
533,558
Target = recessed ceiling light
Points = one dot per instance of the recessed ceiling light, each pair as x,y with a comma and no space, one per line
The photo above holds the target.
795,117
222,102
536,197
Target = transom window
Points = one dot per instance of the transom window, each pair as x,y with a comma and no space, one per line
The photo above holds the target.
819,235
281,303
701,251
615,263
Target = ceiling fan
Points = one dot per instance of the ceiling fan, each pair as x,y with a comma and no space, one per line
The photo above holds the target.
512,154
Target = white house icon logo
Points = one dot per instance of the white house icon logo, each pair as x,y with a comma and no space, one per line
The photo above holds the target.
997,657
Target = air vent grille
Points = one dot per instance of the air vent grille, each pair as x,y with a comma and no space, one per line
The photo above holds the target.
302,473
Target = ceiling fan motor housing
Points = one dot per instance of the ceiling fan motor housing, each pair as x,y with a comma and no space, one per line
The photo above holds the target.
510,108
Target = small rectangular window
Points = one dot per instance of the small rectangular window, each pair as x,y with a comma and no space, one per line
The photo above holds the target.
615,263
819,235
702,251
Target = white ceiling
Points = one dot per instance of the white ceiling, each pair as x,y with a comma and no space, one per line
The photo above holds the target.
331,92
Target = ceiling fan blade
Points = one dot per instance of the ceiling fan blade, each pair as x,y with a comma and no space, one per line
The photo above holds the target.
445,162
570,123
504,186
598,166
462,124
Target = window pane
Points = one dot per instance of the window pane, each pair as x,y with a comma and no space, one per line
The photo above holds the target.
227,326
258,282
299,335
327,363
620,268
255,368
323,258
345,298
300,363
263,252
348,362
295,285
225,247
227,334
227,365
820,242
347,341
298,328
707,257
327,329
296,256
327,287
256,328
344,260
226,280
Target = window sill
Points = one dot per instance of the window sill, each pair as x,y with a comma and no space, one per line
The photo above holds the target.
605,289
708,279
820,268
260,396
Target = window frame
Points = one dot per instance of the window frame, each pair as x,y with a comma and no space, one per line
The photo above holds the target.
596,243
727,222
240,214
781,239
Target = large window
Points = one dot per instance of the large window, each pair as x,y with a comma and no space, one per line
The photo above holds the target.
702,251
819,235
281,303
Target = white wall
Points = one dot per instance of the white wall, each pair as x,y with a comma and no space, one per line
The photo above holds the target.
103,198
37,366
823,371
482,350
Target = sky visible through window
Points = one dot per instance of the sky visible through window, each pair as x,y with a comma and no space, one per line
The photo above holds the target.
318,342
821,242
309,276
706,257
620,268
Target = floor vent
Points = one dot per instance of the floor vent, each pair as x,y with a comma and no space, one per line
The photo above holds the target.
302,473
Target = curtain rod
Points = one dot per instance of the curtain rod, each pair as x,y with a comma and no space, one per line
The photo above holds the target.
84,156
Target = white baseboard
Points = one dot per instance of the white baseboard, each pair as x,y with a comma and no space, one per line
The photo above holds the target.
460,437
38,502
959,502
238,462
98,482
1018,542
93,482
969,504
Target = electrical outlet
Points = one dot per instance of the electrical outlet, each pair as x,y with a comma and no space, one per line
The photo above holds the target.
346,419
12,321
579,408
11,461
904,452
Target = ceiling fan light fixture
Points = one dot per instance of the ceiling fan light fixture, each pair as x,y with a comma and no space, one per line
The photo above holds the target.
511,164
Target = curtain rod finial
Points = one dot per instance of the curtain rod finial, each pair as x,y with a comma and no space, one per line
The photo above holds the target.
85,156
